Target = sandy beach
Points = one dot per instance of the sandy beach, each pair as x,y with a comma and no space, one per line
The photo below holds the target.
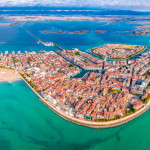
7,75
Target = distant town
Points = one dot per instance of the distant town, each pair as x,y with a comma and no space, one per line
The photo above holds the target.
118,51
119,89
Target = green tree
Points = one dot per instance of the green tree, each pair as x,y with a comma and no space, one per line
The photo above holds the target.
77,53
146,100
71,65
118,117
146,75
29,74
85,60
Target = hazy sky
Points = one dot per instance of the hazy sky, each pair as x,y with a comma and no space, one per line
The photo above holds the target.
121,4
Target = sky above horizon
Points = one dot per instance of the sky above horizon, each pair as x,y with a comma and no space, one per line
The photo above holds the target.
111,4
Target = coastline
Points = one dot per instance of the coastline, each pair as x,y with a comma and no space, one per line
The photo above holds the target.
106,124
14,80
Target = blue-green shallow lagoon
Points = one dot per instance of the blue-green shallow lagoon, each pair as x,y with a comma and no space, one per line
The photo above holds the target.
15,38
27,124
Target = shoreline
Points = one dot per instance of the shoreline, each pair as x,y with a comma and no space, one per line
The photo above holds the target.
98,125
8,75
82,17
15,80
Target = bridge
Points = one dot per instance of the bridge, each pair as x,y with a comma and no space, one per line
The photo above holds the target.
31,33
41,41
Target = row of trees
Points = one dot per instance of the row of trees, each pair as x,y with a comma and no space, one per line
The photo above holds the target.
7,68
31,83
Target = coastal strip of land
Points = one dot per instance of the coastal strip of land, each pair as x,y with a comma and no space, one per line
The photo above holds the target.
108,19
8,24
12,75
91,124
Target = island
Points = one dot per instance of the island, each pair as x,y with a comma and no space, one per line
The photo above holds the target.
140,33
8,24
117,94
56,30
141,30
100,31
118,51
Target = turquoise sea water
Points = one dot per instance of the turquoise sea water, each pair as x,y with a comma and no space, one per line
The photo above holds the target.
27,124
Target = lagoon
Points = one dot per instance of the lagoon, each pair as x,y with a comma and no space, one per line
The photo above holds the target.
27,124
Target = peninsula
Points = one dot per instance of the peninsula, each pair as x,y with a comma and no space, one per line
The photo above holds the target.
117,94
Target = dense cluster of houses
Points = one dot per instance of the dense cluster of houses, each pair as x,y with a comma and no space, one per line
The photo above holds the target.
113,51
102,95
82,59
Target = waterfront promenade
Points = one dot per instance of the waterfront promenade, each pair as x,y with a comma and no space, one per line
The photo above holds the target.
91,124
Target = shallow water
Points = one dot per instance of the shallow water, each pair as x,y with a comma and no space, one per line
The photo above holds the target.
27,124
16,38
